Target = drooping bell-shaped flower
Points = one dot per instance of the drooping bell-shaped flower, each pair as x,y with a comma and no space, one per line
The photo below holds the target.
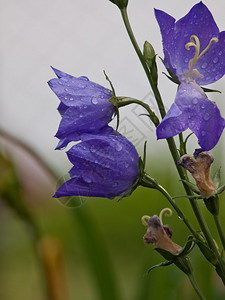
104,165
194,51
84,106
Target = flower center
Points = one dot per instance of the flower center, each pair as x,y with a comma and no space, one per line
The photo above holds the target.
192,73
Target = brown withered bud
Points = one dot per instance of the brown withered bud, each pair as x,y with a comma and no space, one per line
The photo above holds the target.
160,235
199,167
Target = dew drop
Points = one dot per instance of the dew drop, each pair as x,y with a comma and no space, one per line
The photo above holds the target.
71,99
87,180
66,89
65,98
195,101
215,60
203,106
81,115
220,53
203,133
186,60
84,78
126,165
204,65
118,147
94,100
206,117
93,149
217,77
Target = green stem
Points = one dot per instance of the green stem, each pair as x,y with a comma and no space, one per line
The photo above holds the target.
142,60
194,285
220,229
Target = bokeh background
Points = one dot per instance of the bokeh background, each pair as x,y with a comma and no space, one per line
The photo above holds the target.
92,238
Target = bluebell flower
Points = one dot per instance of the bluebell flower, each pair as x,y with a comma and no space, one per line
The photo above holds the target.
84,106
194,51
104,165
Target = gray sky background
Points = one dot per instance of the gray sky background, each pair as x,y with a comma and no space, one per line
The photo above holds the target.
81,38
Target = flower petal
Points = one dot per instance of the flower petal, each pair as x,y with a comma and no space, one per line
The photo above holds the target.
103,166
199,21
172,124
192,109
212,64
84,118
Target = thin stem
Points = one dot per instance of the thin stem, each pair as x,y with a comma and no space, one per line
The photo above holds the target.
220,230
194,285
142,60
148,179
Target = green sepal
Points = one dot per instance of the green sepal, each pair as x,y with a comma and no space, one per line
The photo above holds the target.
114,101
180,259
192,186
120,3
130,190
217,178
220,189
207,252
162,264
206,90
212,204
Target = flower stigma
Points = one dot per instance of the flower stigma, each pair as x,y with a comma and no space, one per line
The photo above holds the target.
192,73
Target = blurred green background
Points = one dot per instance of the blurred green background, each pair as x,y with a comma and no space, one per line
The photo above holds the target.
100,242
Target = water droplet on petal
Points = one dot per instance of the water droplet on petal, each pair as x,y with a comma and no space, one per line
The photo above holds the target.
94,100
71,99
84,78
118,147
217,77
81,115
186,60
93,149
215,60
204,65
203,133
220,53
65,98
87,180
195,101
203,106
126,165
206,117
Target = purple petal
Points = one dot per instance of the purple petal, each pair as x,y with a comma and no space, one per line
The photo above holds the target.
61,74
193,110
212,64
172,124
103,166
199,21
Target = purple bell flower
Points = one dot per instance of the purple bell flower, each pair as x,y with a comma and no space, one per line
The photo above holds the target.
194,51
104,165
84,106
